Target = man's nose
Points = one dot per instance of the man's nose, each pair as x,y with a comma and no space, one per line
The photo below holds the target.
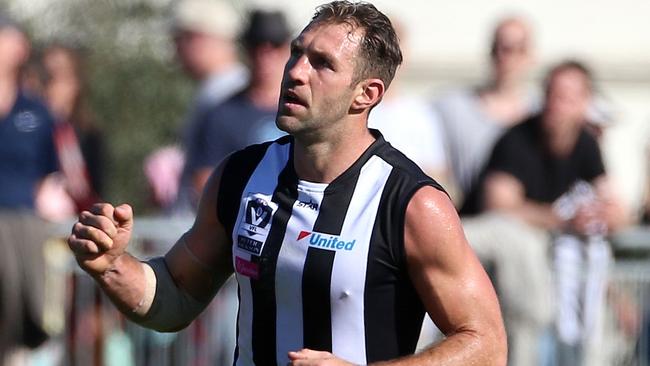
298,69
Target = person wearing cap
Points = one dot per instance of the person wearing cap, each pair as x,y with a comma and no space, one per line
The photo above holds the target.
248,117
205,37
27,158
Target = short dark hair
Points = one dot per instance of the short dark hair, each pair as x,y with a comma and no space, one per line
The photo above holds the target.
570,65
380,51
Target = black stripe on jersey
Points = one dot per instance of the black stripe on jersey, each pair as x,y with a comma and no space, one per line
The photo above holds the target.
236,356
317,272
393,311
263,290
236,173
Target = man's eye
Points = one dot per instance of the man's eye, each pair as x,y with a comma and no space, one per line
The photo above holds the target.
296,51
321,62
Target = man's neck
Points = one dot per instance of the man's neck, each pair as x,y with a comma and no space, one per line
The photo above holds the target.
324,160
560,144
504,88
216,69
504,101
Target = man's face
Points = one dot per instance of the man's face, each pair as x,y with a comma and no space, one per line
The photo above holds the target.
185,42
14,49
195,51
267,61
316,85
567,99
511,56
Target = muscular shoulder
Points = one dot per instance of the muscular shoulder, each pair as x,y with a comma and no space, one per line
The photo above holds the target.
430,212
433,235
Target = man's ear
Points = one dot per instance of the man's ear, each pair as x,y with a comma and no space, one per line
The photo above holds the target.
369,93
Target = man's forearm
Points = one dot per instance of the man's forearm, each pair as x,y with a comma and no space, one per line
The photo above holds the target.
462,348
128,284
538,214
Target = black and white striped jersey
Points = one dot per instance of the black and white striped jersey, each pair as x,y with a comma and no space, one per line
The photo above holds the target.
321,266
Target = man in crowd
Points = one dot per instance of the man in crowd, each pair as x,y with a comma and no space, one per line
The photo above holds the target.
339,242
247,117
548,172
205,33
473,119
27,157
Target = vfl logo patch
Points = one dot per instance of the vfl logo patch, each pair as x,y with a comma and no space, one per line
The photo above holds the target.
258,215
254,228
326,241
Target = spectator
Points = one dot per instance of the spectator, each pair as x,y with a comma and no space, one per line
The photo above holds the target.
27,156
473,119
204,34
247,117
79,141
548,172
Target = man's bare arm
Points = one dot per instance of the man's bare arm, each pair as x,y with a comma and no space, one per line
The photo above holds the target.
504,192
453,286
198,263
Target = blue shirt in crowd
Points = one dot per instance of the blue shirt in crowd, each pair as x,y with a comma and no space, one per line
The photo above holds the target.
27,152
231,126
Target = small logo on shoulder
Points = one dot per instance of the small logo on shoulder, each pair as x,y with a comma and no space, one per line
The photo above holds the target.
309,204
254,228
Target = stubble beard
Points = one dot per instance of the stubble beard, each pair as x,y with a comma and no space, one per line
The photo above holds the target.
318,120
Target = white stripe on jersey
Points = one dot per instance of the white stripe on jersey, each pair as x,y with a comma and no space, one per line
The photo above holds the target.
349,269
264,185
288,276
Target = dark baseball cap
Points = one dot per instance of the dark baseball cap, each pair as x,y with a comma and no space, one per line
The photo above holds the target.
266,26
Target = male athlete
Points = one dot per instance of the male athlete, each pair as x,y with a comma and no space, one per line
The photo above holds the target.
339,242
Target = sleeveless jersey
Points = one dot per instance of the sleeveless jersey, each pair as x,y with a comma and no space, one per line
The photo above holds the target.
321,266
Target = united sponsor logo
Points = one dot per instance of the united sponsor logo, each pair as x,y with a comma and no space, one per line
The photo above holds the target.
326,241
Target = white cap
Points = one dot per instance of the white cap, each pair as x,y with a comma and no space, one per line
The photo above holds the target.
212,17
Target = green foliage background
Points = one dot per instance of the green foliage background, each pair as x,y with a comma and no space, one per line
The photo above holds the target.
136,91
139,104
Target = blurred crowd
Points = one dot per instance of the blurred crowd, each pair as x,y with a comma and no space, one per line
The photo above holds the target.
523,166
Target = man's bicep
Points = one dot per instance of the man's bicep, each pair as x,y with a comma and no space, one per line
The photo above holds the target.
450,280
201,260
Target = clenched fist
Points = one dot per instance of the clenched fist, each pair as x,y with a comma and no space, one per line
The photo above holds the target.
308,357
101,236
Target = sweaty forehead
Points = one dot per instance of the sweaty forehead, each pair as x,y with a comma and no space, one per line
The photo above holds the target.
340,39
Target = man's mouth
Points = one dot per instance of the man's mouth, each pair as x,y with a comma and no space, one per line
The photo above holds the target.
291,98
